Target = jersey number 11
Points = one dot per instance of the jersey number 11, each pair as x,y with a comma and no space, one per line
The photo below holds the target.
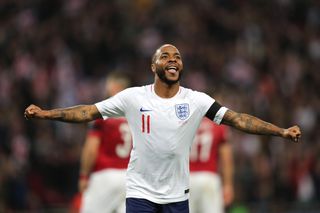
145,124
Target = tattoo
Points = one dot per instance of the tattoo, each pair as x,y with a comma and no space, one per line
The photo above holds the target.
63,115
250,124
84,114
76,114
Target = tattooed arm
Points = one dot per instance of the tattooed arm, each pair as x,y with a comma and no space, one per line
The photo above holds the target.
253,125
76,114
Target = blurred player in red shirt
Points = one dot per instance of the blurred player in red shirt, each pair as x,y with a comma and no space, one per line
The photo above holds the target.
211,154
105,157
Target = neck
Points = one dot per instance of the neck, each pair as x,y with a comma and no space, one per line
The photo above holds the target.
164,90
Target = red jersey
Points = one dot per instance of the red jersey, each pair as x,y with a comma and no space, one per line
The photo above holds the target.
204,152
115,143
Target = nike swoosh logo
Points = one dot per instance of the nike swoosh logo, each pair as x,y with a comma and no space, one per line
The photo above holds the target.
145,110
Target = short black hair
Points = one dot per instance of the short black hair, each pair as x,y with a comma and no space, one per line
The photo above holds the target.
154,57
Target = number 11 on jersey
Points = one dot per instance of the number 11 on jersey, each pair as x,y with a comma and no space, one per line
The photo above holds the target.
145,123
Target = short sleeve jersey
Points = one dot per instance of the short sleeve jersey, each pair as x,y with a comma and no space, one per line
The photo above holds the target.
162,132
115,143
205,148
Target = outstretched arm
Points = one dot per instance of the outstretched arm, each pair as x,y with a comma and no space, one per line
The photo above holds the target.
75,114
253,125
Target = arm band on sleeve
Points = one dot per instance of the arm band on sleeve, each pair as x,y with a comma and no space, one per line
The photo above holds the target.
212,111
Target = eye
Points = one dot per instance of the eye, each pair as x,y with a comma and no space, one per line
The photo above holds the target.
178,57
163,56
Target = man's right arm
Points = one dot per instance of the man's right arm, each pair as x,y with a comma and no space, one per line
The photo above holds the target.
88,158
75,114
227,170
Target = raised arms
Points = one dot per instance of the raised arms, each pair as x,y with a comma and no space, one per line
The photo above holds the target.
253,125
75,114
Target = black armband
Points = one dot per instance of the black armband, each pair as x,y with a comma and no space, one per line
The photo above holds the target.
212,111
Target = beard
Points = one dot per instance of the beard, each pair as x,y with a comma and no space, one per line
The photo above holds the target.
161,73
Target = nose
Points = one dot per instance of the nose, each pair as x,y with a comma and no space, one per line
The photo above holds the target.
172,58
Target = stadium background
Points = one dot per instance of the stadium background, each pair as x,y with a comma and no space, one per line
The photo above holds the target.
263,56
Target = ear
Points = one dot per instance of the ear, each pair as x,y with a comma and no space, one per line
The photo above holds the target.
153,67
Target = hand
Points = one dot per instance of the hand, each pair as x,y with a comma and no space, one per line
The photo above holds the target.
228,195
83,184
292,133
33,111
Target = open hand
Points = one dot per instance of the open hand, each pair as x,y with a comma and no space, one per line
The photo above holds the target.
32,111
292,133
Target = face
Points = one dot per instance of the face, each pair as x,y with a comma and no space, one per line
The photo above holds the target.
168,65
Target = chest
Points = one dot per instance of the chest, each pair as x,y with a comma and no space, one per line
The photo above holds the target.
177,111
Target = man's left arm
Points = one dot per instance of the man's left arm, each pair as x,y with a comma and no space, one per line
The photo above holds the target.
254,125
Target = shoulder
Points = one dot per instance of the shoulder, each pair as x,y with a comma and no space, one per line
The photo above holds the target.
196,97
192,93
132,91
139,89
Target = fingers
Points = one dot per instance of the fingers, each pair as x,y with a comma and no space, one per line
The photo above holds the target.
295,133
30,111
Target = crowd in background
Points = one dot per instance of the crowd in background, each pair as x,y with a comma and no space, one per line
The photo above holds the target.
262,57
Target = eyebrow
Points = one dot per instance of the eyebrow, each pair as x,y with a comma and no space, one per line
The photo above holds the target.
167,53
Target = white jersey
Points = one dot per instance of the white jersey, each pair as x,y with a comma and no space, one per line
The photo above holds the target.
162,132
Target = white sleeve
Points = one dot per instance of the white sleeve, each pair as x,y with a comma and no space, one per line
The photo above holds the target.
205,102
219,116
114,106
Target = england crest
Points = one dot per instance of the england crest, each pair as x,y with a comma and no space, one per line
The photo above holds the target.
182,111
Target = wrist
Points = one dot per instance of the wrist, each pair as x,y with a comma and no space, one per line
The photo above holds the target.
45,114
282,133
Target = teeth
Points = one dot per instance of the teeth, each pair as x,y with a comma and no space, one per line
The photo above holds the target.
172,69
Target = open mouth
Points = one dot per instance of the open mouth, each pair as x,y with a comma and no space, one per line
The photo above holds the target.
172,69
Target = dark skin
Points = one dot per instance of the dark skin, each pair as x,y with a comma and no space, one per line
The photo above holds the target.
254,125
75,114
167,66
165,58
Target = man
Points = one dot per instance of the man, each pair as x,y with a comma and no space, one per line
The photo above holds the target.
163,118
210,150
105,157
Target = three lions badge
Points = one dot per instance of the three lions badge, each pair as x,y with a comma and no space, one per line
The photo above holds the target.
182,111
